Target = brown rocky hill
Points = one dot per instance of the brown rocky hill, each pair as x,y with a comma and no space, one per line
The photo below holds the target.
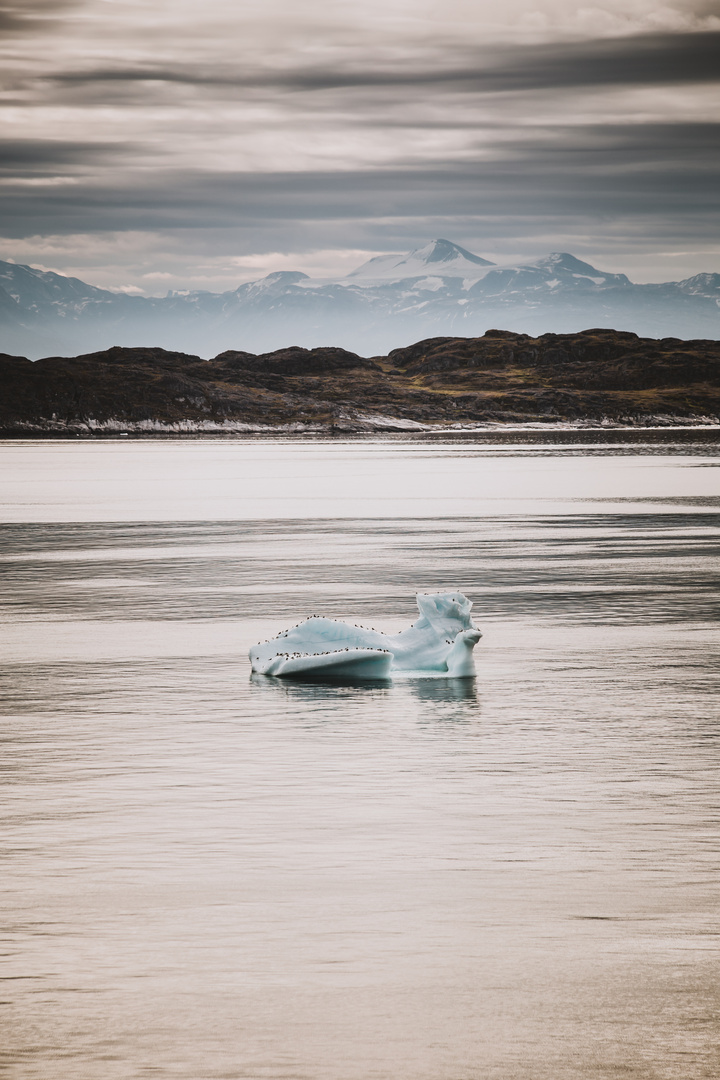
595,375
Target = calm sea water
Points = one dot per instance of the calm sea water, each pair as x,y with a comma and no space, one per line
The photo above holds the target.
212,875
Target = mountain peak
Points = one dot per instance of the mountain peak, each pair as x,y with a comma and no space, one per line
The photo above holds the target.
563,260
277,281
444,251
439,258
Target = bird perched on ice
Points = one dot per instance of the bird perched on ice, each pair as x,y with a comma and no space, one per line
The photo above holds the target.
440,641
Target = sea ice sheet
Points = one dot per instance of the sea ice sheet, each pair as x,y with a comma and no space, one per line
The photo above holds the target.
441,641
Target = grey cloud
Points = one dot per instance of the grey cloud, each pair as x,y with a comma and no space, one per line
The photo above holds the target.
595,173
694,144
705,8
31,16
43,157
628,61
638,60
651,59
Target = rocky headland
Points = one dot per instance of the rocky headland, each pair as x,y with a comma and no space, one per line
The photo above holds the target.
595,377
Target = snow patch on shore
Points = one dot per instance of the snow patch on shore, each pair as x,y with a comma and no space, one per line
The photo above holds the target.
356,421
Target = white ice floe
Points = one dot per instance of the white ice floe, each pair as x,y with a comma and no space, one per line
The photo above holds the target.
441,641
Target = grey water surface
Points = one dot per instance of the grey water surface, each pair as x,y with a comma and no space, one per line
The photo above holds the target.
212,875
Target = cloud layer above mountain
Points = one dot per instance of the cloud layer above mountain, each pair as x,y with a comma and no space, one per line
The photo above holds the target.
162,143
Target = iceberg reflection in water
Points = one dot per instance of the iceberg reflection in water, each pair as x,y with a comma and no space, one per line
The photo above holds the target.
422,687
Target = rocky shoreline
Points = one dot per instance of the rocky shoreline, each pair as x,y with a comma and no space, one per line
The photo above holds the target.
599,380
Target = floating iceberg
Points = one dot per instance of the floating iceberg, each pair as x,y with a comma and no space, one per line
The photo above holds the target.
441,641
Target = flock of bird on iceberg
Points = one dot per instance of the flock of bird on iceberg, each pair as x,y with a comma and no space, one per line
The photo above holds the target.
440,642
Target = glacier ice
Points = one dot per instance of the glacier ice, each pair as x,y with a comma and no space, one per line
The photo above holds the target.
441,641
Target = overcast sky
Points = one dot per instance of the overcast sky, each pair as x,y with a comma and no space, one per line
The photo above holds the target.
155,144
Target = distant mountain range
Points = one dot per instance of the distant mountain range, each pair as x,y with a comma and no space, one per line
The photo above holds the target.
439,289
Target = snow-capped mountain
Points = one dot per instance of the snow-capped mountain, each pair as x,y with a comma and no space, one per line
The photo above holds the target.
34,290
440,289
702,285
439,258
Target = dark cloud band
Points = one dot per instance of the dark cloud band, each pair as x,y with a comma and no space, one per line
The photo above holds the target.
42,157
639,60
31,16
649,170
